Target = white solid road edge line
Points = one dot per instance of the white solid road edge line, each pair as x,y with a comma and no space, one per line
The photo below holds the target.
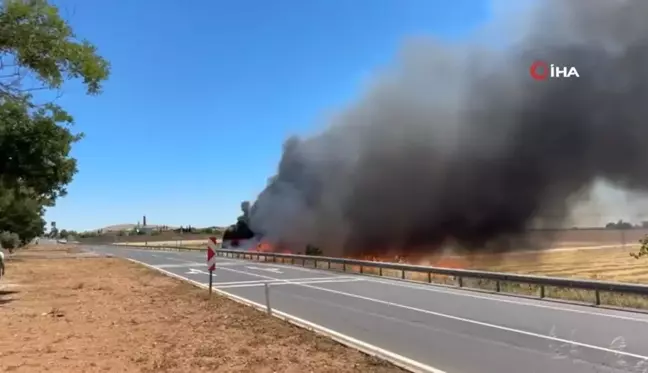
398,360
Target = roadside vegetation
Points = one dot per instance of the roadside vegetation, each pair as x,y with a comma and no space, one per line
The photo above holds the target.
643,250
39,53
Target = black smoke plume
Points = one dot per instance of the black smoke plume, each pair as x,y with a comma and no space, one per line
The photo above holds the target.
457,145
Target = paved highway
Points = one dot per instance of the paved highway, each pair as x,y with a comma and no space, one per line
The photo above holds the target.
452,330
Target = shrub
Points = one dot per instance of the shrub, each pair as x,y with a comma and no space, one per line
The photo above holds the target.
9,240
312,250
643,251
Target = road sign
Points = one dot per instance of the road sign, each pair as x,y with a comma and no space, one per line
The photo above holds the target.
211,254
212,245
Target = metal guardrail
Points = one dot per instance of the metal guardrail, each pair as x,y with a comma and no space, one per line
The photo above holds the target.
159,248
458,274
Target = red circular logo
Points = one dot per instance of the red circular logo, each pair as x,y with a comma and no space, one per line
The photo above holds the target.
539,70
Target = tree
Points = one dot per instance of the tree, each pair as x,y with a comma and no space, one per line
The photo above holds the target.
38,52
21,214
618,225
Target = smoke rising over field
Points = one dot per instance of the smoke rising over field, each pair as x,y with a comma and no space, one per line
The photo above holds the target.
456,144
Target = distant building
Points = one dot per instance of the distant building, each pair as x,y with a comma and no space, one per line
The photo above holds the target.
148,230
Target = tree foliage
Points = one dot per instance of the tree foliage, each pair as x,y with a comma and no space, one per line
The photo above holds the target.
64,233
36,41
9,240
38,52
21,214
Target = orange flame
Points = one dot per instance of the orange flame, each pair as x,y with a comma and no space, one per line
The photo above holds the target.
266,247
445,261
451,262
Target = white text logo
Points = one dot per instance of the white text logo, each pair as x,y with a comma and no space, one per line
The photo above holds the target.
541,70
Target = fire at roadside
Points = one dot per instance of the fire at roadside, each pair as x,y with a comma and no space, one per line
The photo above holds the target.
241,237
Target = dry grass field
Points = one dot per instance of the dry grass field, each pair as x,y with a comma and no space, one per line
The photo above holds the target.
602,254
613,264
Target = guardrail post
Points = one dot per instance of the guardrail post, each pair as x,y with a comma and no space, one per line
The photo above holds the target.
403,274
343,267
315,263
266,287
380,271
361,269
329,264
542,291
430,277
304,262
597,297
460,281
497,286
292,261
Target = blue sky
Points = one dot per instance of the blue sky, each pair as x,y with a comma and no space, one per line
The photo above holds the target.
201,90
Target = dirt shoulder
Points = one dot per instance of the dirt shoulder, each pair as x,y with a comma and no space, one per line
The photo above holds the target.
105,314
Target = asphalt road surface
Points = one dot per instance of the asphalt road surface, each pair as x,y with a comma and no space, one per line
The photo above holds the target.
454,331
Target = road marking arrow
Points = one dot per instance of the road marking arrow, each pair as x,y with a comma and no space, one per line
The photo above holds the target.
273,270
193,271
